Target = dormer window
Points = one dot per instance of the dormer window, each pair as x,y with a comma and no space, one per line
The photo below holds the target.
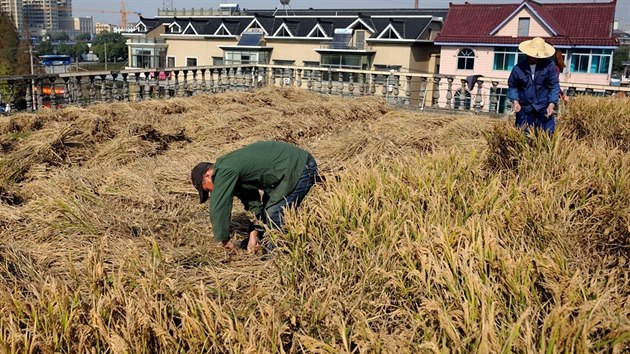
175,28
523,27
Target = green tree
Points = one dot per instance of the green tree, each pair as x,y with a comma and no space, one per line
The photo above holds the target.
45,48
80,48
83,37
116,46
9,42
621,55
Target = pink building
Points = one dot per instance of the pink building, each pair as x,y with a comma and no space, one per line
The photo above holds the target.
482,39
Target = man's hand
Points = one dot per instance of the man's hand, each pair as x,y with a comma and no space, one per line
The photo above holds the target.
230,246
550,109
517,106
252,244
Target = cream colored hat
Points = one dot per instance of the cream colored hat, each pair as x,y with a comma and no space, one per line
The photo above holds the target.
537,48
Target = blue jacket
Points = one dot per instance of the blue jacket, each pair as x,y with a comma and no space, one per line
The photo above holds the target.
534,95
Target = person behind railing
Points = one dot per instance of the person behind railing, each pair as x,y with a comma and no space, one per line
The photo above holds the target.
560,65
534,87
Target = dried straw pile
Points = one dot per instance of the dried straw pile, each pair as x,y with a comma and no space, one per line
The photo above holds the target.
442,232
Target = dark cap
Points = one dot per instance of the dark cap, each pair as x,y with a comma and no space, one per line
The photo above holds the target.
197,177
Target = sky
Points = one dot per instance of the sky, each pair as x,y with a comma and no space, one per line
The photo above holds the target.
108,10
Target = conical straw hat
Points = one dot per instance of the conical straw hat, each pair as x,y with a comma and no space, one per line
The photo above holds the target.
537,48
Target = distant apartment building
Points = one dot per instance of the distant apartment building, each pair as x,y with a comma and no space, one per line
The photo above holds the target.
64,13
41,16
130,27
44,16
83,24
13,8
103,27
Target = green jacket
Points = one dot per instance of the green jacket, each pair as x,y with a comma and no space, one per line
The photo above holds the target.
271,166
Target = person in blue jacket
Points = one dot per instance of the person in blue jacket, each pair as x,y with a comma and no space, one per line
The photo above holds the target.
534,87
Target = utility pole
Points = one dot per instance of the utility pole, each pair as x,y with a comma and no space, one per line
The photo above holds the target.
105,56
30,53
417,4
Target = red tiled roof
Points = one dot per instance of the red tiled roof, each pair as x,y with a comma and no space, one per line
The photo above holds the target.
586,24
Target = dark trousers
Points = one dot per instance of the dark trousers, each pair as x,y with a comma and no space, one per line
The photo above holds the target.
536,120
274,213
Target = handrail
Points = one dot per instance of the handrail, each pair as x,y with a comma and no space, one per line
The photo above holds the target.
421,90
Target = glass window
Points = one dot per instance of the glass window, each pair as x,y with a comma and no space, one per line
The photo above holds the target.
594,61
523,27
191,61
170,62
466,59
505,58
217,61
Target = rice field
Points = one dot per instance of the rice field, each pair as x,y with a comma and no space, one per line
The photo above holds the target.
433,233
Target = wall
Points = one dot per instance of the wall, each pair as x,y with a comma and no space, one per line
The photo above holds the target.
536,29
200,48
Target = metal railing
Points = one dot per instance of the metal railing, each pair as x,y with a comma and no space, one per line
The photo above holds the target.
413,90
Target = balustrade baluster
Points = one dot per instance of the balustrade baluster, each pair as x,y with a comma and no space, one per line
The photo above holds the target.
204,86
40,93
78,91
423,91
125,87
298,79
211,81
462,95
104,97
494,97
330,84
29,96
138,88
92,88
340,87
114,90
478,97
408,91
385,88
436,92
449,92
396,89
66,90
372,84
351,84
11,102
53,93
361,84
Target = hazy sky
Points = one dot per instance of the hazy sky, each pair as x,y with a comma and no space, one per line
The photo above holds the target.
148,8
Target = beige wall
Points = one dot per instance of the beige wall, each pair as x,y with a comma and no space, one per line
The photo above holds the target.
293,50
536,29
392,54
200,48
424,58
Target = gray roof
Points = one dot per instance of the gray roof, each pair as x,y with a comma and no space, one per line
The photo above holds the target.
411,24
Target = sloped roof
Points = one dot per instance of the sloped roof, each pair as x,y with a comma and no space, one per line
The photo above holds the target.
575,24
409,23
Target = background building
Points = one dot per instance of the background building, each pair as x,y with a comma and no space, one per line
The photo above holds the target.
83,24
13,8
102,27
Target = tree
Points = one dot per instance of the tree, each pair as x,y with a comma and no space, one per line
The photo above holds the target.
45,48
9,42
79,49
116,46
83,37
621,55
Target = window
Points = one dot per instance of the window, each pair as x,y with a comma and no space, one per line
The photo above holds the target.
523,27
170,62
217,60
389,33
191,61
466,59
175,28
283,62
283,32
245,57
505,58
382,79
594,61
